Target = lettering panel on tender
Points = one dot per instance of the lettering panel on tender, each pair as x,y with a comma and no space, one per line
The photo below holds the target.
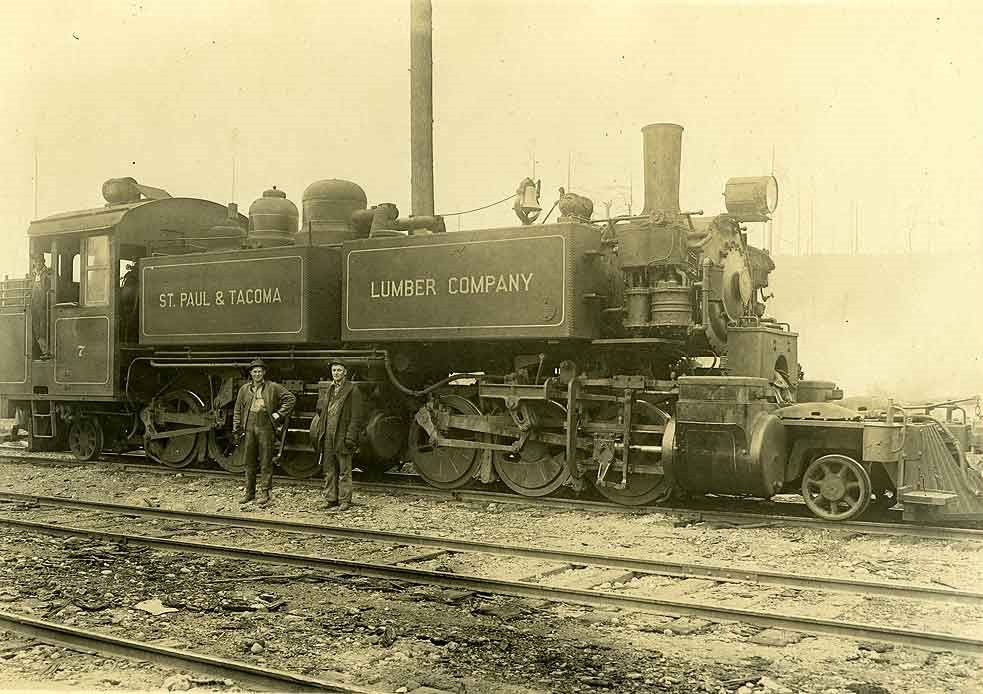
449,287
241,298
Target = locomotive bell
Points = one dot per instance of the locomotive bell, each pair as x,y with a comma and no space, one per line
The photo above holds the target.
272,219
751,198
527,201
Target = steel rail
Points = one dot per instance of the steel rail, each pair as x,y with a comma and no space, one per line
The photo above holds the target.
632,564
737,518
104,644
925,640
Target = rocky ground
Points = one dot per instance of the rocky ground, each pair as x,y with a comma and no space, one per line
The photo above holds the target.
394,637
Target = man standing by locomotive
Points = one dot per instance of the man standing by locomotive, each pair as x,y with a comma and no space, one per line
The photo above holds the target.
40,284
339,422
261,407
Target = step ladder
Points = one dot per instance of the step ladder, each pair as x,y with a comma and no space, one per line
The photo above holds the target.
42,420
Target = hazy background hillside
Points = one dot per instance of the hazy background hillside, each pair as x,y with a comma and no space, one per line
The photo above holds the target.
909,325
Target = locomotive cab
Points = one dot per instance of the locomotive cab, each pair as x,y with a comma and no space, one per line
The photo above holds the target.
68,330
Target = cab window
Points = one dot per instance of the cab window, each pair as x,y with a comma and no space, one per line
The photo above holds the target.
68,271
97,271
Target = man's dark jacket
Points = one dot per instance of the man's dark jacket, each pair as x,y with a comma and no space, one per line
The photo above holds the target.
277,398
351,419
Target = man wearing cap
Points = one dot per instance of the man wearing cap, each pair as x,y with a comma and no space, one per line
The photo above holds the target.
40,284
340,414
260,406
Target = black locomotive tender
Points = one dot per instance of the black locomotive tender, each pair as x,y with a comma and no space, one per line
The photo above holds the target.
632,354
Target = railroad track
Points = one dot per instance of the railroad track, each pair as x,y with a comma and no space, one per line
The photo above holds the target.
525,588
632,565
106,645
407,485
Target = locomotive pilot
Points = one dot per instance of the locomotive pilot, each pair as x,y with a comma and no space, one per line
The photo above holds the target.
340,415
261,407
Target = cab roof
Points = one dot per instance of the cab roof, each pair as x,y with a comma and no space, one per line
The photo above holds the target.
140,222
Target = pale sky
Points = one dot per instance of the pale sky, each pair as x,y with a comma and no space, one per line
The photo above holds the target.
873,105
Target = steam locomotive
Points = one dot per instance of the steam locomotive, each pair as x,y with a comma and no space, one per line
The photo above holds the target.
633,355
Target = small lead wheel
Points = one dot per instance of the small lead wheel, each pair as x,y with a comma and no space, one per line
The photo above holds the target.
836,487
85,438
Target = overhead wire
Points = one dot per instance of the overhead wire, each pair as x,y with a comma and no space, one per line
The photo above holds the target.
478,209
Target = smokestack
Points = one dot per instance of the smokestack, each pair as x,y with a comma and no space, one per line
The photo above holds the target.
421,107
661,148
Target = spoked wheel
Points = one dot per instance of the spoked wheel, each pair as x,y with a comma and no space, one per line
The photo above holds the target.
220,450
176,451
643,487
301,465
538,469
446,467
836,487
300,458
85,438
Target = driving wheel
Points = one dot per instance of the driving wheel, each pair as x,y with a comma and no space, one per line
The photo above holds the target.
538,468
643,486
222,451
446,467
176,451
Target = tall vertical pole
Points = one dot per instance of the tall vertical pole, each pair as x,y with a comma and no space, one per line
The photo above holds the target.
798,223
35,178
662,146
421,106
812,226
770,225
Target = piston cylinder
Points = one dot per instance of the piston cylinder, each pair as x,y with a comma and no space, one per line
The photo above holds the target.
726,438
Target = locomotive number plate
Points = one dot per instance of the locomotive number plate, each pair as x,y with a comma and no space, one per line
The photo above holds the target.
454,286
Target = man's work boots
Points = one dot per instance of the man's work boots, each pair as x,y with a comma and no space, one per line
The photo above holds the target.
247,497
263,499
